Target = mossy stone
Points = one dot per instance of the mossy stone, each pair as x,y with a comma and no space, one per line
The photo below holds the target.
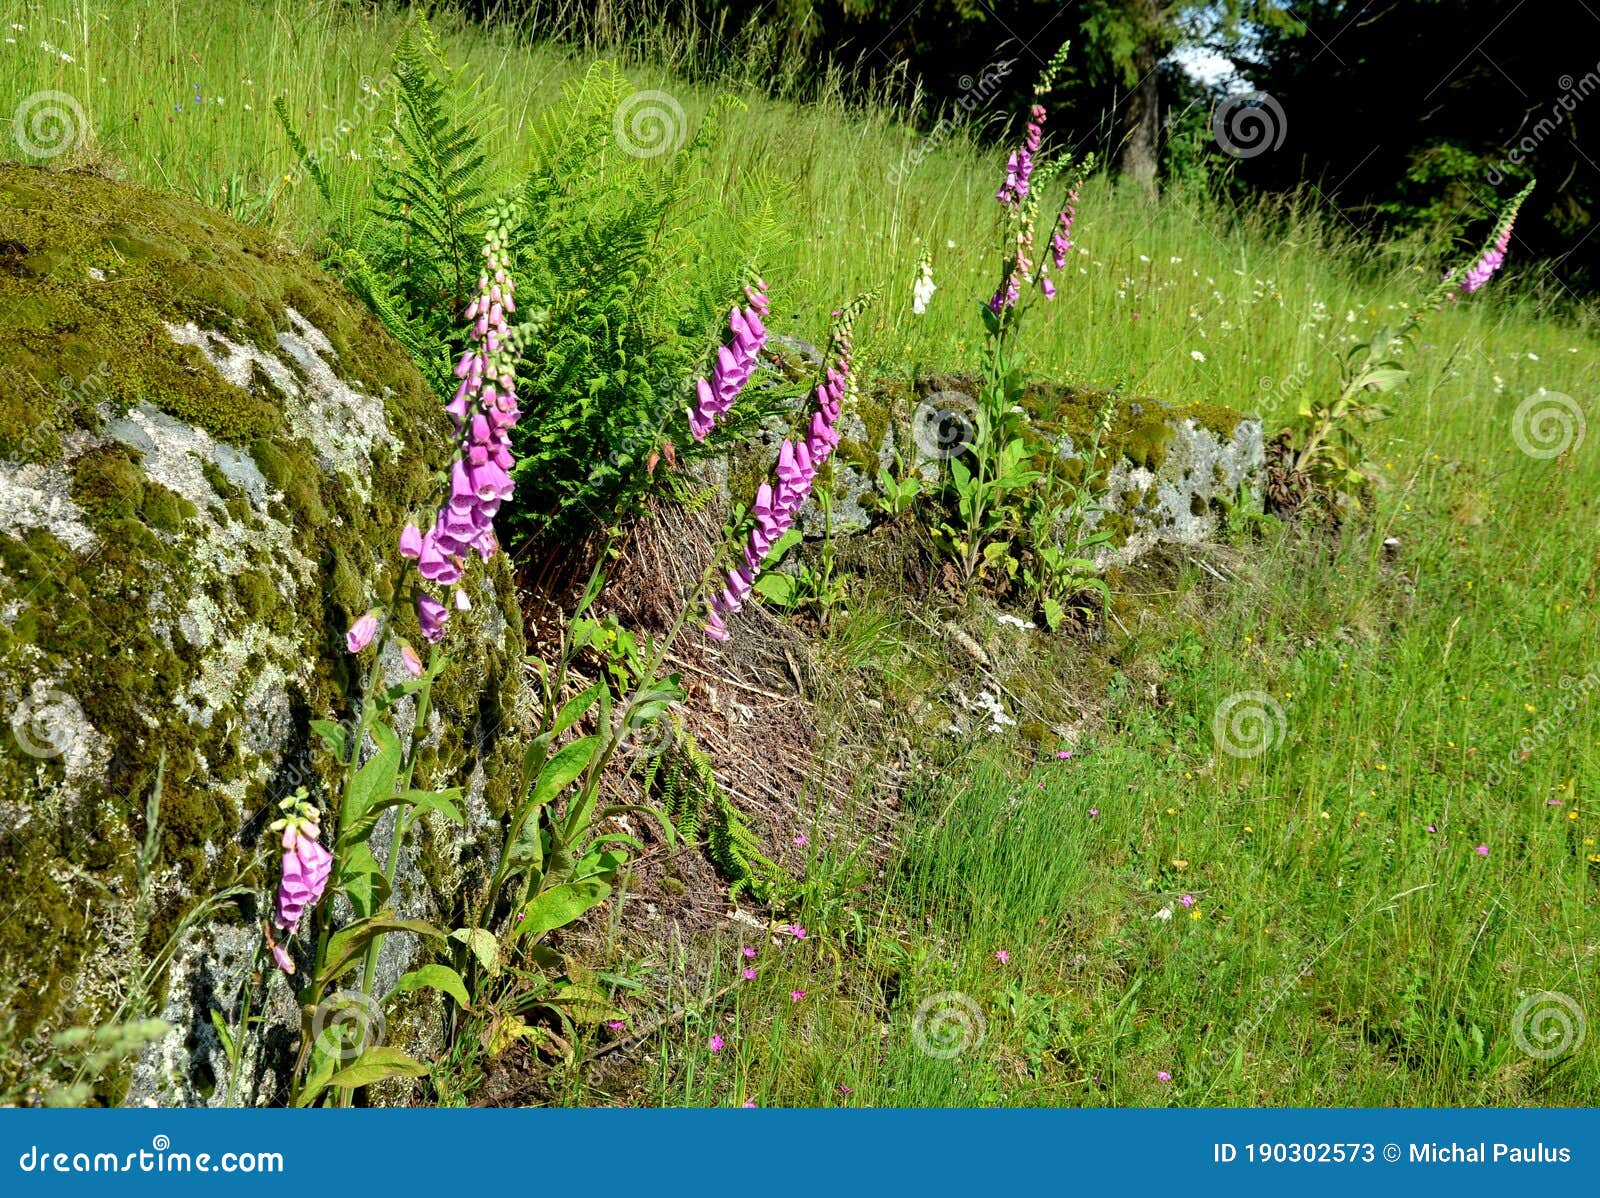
179,559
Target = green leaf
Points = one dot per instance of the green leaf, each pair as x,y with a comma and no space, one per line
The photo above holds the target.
782,589
332,735
443,802
224,1033
362,881
345,945
783,544
321,1073
574,708
373,781
562,770
584,1005
374,1065
436,977
559,906
483,946
1384,378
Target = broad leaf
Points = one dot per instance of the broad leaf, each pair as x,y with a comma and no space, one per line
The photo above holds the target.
435,977
345,945
376,1064
781,589
483,946
562,770
559,906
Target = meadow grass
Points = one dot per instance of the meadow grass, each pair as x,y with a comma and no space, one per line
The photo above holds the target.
1348,941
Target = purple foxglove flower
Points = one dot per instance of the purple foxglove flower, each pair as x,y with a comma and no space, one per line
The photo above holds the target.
284,961
306,865
431,614
361,632
461,600
410,542
434,565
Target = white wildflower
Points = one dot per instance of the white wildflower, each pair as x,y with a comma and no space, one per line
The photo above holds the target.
922,290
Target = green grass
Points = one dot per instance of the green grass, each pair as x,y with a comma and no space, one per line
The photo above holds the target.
1348,944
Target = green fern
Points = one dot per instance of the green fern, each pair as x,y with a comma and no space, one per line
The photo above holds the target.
685,784
437,201
637,261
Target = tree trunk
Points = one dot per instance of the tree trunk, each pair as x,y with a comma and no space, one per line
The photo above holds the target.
1141,125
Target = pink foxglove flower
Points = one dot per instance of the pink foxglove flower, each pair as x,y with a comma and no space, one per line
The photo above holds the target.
306,864
1061,239
1493,256
484,411
361,632
778,502
304,873
412,660
736,362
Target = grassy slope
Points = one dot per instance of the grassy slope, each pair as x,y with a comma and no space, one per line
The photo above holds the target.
1338,950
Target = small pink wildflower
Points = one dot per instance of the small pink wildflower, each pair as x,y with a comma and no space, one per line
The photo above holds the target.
1482,850
1187,900
1431,828
1163,1076
749,975
1093,811
748,951
361,632
795,930
412,661
796,995
1063,754
749,1106
282,957
716,1043
1552,802
1003,957
800,841
617,1025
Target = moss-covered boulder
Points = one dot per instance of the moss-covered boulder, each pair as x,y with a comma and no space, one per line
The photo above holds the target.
206,451
1165,472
